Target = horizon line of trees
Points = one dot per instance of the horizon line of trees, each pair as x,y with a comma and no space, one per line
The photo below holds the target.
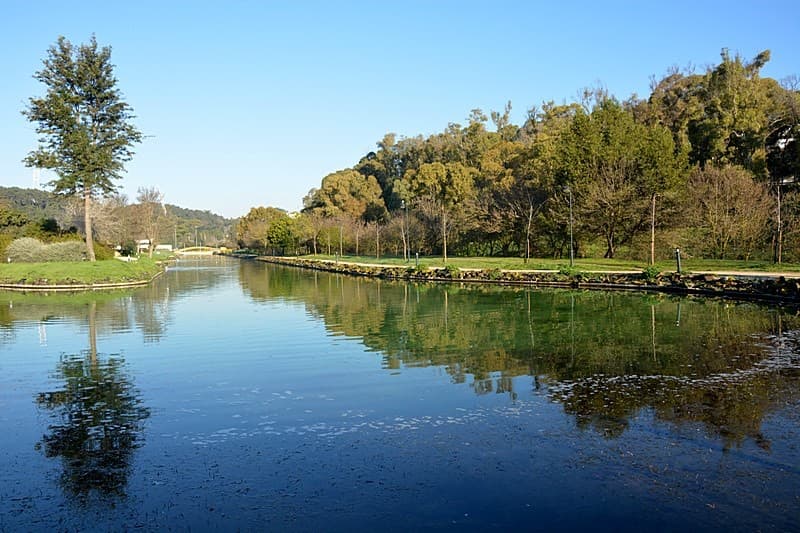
706,163
116,222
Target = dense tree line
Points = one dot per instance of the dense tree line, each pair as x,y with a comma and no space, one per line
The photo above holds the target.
702,164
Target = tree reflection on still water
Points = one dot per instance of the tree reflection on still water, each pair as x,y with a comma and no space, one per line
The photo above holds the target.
96,420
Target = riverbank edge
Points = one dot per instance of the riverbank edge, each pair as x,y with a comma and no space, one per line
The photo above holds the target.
27,287
744,287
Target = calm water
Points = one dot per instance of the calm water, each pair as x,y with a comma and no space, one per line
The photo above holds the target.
236,395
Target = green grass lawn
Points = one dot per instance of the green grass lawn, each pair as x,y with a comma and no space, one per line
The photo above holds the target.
515,263
79,273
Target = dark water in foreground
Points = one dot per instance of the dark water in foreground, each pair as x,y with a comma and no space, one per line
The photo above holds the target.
236,395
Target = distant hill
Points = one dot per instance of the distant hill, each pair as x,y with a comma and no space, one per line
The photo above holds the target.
37,204
212,229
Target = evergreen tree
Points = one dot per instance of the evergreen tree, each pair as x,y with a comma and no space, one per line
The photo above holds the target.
85,128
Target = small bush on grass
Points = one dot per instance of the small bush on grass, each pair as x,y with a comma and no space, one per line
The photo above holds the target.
30,250
24,250
69,251
102,252
5,240
651,273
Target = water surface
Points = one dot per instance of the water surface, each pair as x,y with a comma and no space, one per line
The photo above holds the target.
238,395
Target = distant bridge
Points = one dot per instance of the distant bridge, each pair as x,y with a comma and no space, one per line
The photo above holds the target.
197,250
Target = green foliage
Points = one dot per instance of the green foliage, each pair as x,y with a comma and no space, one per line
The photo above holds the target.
86,136
211,227
82,118
453,271
651,273
5,240
568,271
129,248
349,193
281,235
253,230
735,102
35,204
103,252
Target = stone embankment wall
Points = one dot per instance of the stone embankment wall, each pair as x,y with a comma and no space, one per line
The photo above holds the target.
750,287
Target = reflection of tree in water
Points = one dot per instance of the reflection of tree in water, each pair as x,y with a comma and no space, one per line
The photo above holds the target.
603,355
97,421
731,406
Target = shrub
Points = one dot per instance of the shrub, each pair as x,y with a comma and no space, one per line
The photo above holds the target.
651,273
453,271
568,271
63,251
128,248
5,240
24,250
29,250
103,252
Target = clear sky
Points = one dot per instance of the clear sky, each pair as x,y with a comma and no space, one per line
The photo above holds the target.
248,103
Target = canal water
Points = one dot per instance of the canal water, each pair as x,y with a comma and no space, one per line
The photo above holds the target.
235,395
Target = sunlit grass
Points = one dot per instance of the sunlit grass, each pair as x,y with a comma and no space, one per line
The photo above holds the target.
84,272
515,263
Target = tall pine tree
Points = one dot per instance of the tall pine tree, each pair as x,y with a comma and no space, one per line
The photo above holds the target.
85,128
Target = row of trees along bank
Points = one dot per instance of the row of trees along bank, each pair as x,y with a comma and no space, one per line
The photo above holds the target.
706,163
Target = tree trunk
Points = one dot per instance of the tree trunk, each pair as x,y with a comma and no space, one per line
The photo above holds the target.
377,241
444,235
779,253
653,231
609,246
528,234
87,222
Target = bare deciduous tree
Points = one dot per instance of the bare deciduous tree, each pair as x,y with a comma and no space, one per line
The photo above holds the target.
731,209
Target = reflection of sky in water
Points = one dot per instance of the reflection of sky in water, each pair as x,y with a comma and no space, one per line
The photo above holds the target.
270,409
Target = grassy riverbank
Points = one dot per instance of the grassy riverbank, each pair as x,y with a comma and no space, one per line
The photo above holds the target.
79,273
608,265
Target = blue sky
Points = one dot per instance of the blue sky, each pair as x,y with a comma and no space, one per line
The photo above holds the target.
249,103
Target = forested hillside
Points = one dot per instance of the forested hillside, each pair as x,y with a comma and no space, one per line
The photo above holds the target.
41,214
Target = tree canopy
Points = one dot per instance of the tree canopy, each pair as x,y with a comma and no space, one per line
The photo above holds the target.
86,134
638,172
